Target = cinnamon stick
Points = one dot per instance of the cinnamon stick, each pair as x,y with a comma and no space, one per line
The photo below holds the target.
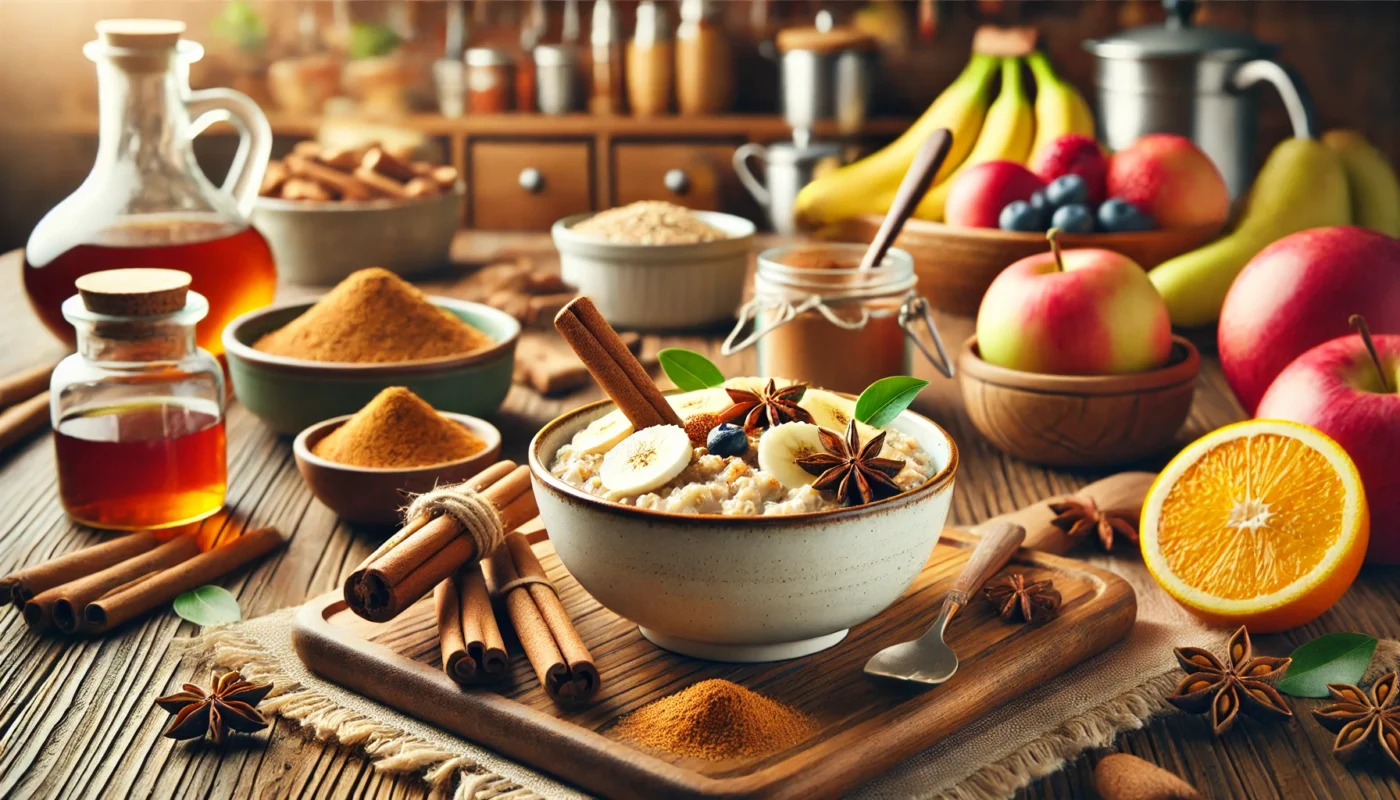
613,365
22,419
347,187
143,594
381,183
472,648
378,160
21,586
26,384
426,551
562,662
62,606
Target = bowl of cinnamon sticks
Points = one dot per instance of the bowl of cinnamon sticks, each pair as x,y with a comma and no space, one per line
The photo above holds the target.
326,213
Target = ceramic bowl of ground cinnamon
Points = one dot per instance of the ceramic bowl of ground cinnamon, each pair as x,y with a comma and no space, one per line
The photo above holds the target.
300,363
364,466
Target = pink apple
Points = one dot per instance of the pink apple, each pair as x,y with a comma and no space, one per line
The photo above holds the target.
1297,293
1168,178
1336,388
979,193
1086,311
1074,154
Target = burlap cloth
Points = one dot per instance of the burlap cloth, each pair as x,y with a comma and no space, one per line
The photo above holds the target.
1025,739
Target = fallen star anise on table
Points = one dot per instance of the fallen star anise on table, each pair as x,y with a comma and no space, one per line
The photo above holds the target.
1078,516
230,704
1364,721
856,473
1243,683
1017,598
766,407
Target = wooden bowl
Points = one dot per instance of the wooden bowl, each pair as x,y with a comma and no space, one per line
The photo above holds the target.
371,496
1079,420
955,265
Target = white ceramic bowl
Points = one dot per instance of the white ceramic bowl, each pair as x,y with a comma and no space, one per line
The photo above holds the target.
744,588
665,286
322,243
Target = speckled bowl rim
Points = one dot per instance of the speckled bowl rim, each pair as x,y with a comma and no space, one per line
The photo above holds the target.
350,369
478,426
1183,368
923,491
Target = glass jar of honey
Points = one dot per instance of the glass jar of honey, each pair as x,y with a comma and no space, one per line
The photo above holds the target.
138,411
819,318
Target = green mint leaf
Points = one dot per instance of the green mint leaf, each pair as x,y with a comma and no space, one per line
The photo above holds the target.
208,605
689,370
1333,658
886,399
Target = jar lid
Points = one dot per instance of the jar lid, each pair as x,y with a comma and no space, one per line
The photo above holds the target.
554,55
487,57
134,292
824,41
140,33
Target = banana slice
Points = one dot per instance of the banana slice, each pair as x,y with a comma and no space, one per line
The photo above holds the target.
648,459
781,446
834,412
603,433
702,401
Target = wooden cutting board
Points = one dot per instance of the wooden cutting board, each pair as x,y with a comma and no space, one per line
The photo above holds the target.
863,727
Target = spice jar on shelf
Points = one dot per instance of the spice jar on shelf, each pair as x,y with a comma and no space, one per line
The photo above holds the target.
605,41
490,80
812,302
704,62
650,62
138,411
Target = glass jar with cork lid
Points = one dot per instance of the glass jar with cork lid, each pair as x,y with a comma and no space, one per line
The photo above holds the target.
819,318
138,411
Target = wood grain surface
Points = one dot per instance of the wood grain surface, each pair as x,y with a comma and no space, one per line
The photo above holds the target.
76,718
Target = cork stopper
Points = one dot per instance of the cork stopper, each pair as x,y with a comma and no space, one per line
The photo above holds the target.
146,34
134,292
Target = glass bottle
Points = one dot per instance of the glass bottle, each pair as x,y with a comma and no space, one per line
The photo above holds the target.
704,63
138,411
146,203
650,62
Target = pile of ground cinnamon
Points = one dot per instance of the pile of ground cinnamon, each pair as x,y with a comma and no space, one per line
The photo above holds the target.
716,720
398,430
373,316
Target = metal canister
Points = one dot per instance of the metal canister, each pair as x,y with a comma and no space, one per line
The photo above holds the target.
787,167
556,76
825,74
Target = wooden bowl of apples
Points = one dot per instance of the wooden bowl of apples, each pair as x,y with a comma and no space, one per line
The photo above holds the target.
956,264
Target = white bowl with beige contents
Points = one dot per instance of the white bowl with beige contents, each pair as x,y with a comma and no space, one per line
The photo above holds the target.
744,588
645,269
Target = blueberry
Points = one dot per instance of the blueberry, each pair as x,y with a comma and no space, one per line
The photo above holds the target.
1067,190
1041,206
1073,218
1019,216
727,440
1117,215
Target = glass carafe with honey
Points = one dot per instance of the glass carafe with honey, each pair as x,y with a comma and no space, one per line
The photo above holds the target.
146,202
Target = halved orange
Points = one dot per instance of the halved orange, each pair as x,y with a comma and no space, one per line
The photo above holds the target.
1262,523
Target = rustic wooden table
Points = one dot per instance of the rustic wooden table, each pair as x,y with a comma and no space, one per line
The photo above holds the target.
76,718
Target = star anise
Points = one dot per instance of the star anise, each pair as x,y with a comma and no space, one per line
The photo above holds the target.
1078,516
1242,684
856,473
229,705
1015,597
766,407
1362,721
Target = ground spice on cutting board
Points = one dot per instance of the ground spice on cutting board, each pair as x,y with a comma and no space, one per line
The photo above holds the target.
649,222
398,430
716,720
373,316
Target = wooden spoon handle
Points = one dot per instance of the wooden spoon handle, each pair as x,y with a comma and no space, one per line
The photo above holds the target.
911,190
998,543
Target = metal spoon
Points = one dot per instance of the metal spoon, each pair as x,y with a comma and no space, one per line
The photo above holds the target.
911,190
928,659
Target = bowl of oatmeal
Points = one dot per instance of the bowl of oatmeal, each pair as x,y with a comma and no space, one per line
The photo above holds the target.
734,558
656,265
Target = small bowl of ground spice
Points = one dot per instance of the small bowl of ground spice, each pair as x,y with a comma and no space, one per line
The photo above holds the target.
365,465
300,363
656,265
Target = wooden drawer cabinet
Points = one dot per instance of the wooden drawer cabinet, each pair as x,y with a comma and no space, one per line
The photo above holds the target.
698,176
528,185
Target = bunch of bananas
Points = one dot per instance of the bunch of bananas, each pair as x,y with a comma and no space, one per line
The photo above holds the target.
986,126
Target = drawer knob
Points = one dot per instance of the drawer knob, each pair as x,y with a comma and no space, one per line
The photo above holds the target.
677,181
532,180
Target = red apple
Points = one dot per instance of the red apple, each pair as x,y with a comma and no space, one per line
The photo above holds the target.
980,192
1086,311
1168,178
1337,388
1074,154
1297,293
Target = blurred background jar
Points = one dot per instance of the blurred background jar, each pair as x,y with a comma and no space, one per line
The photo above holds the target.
490,81
651,60
704,61
556,78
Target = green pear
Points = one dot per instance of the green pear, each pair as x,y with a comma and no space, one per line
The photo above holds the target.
1375,191
1302,185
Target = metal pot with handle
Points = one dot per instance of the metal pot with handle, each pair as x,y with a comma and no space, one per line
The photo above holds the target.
787,167
1196,81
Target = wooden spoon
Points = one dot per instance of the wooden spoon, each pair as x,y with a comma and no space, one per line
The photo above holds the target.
911,190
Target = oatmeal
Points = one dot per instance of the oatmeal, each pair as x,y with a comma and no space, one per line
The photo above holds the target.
650,222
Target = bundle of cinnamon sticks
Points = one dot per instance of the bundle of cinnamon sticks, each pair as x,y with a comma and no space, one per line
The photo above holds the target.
98,588
24,403
315,173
